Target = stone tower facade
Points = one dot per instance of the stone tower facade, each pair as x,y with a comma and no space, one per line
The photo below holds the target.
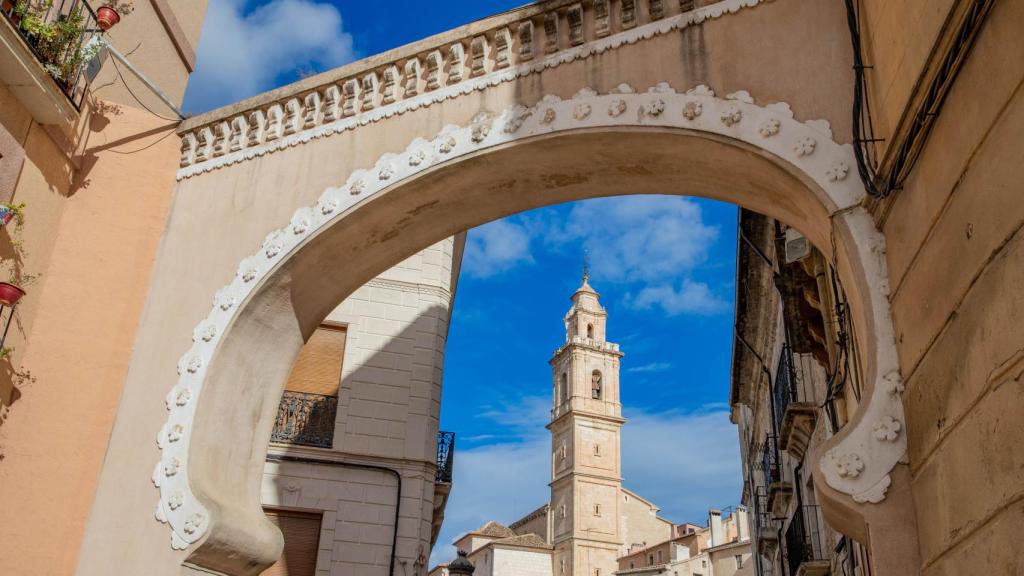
586,418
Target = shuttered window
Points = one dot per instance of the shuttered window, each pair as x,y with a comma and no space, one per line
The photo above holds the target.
318,368
301,532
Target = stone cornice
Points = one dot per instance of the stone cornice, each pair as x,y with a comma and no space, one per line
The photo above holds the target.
417,287
467,59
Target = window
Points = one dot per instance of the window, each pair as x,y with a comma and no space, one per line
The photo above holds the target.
309,403
595,385
317,370
561,512
631,565
597,449
590,330
597,509
301,531
561,566
659,556
563,451
597,572
650,560
563,388
739,561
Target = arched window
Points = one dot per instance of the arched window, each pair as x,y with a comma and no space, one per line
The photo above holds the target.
595,385
590,330
563,388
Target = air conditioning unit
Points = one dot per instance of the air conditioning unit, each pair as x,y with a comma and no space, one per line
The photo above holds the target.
798,246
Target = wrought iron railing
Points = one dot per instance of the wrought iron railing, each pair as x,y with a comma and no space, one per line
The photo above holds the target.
445,456
804,538
785,385
768,460
63,35
306,419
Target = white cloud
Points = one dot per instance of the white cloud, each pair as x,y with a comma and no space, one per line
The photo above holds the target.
639,237
242,52
505,481
691,298
650,367
652,243
496,247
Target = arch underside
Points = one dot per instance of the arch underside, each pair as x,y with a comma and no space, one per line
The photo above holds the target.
593,145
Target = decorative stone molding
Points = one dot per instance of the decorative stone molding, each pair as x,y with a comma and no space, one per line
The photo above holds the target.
380,93
858,464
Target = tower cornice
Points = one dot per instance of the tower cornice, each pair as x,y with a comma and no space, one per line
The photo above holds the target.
585,343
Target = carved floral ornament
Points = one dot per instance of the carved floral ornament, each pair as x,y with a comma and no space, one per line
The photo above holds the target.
857,466
374,95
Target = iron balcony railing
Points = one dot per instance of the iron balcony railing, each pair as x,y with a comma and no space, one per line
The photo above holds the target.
305,419
445,456
804,538
768,460
785,386
63,35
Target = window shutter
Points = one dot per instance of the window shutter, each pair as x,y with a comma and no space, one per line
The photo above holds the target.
301,532
318,368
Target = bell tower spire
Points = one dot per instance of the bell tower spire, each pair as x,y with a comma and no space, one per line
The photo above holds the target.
586,418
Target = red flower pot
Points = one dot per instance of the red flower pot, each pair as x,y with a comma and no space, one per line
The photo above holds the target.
106,17
10,294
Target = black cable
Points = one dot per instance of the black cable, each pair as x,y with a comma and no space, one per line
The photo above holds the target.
141,103
864,169
398,495
146,147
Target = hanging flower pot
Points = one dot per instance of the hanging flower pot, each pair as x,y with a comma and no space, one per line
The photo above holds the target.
6,214
107,17
10,294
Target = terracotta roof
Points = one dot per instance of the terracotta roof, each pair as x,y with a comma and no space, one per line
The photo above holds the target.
494,530
527,540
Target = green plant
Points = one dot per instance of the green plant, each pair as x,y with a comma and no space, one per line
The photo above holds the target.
57,40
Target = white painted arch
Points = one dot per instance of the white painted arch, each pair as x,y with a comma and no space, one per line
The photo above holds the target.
656,141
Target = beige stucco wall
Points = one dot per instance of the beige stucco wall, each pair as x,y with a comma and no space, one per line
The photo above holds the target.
956,261
92,238
639,522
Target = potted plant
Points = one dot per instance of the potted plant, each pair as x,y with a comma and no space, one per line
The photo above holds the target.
110,13
10,212
57,39
10,294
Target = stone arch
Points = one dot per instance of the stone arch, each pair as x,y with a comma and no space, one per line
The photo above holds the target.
659,141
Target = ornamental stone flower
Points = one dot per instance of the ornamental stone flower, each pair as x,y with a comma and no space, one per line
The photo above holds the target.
692,109
804,146
893,382
205,331
272,245
447,145
247,271
417,158
887,429
328,206
386,172
769,128
176,433
731,116
581,111
837,172
176,500
655,107
172,467
480,131
183,396
519,115
549,116
190,363
617,107
194,523
849,465
224,299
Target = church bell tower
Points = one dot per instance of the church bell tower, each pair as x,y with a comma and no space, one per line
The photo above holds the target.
586,418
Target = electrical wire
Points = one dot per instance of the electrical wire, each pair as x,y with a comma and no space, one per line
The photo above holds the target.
146,147
141,103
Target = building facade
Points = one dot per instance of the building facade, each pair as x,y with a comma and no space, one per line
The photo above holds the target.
796,380
353,465
887,133
722,548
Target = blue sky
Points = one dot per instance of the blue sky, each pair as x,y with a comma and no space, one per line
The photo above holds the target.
663,264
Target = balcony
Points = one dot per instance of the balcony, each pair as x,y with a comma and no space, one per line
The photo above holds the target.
442,481
765,529
805,546
305,419
780,492
44,53
795,410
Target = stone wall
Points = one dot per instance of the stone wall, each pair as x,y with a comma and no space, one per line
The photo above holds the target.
956,260
521,562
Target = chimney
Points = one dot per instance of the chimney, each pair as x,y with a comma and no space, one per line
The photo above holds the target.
715,525
742,526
